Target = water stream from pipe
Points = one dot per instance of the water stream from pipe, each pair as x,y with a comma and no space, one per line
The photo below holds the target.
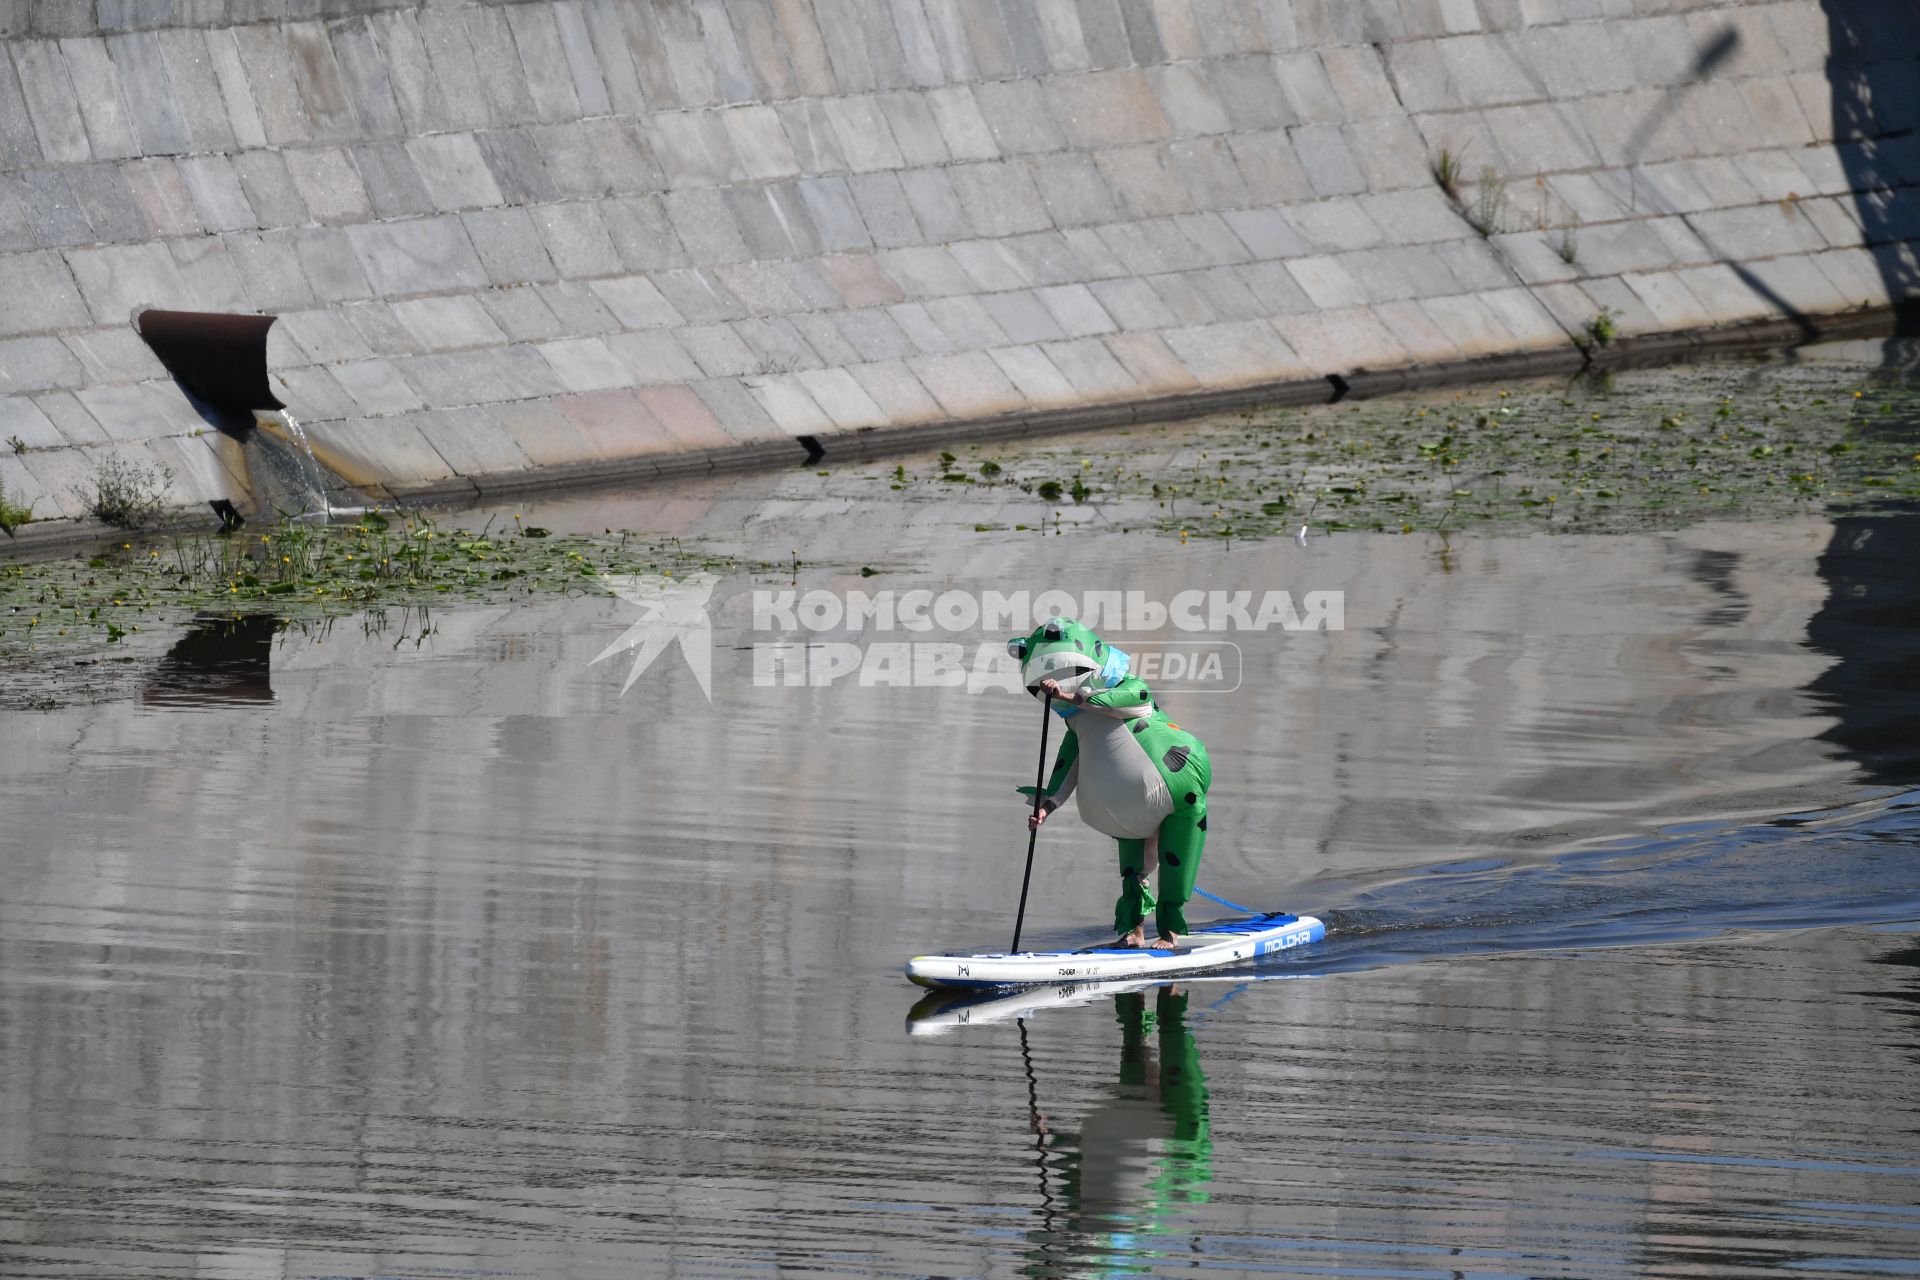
320,508
309,466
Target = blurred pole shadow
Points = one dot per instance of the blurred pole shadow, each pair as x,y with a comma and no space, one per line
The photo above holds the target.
1871,71
1876,111
1712,56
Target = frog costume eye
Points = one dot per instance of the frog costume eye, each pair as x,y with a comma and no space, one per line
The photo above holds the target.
1018,648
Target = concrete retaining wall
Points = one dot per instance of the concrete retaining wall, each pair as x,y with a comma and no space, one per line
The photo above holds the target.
578,234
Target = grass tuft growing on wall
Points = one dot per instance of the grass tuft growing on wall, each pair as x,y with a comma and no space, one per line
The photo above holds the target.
12,514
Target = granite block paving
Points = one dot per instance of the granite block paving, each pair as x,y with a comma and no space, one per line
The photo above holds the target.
616,424
842,398
530,234
387,450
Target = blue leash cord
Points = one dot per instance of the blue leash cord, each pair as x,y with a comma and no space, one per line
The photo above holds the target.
1231,906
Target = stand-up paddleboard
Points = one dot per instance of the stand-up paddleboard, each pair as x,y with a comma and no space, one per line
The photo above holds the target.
1212,946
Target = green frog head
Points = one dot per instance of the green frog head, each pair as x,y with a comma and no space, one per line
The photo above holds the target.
1069,653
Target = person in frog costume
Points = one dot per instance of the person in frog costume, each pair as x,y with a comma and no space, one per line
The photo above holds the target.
1139,777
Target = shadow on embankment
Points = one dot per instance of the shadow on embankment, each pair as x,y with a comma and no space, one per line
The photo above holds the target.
1876,129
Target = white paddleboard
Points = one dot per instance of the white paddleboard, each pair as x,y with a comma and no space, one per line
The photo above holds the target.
1212,946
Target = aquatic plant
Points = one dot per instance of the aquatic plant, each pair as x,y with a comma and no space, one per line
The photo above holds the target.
305,570
1602,454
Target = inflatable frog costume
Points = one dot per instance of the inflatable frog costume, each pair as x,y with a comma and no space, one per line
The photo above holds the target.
1139,777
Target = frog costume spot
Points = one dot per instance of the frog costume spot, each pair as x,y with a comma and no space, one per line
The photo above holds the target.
1137,776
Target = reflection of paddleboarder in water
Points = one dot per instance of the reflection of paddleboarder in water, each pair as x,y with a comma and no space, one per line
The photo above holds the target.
1140,1155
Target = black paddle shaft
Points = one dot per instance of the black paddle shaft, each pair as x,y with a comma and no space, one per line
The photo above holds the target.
1039,785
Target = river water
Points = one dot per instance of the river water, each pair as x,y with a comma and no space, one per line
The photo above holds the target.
437,949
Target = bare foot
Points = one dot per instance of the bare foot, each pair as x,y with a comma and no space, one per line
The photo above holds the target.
1166,942
1138,938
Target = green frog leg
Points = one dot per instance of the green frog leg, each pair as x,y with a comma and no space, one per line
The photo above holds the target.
1182,761
1135,898
1182,837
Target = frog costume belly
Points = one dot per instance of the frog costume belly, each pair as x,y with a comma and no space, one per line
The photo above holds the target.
1137,776
1119,790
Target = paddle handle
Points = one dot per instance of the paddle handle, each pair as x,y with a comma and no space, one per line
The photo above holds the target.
1039,783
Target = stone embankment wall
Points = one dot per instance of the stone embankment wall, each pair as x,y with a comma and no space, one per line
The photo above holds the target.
525,240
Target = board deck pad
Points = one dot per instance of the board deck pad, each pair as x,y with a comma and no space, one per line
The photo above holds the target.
1221,944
